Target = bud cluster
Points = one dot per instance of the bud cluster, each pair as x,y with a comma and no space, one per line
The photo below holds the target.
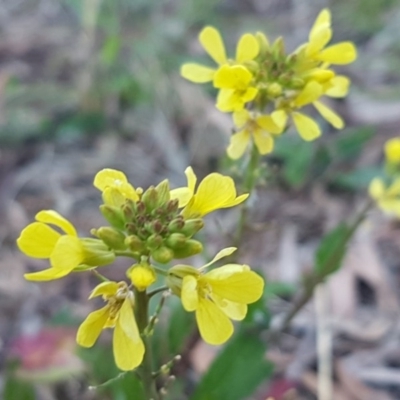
151,226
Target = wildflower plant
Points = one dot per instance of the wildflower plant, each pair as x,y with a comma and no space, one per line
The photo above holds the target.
267,90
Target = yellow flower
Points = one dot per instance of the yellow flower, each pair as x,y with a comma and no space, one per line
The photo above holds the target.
65,251
128,346
392,151
236,91
387,198
257,126
217,296
319,37
115,187
215,191
306,126
247,49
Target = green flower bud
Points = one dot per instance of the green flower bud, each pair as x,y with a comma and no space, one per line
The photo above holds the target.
154,241
112,237
190,248
140,207
192,226
113,216
176,275
163,192
129,209
134,243
96,252
150,198
163,255
263,42
176,224
176,241
172,206
278,47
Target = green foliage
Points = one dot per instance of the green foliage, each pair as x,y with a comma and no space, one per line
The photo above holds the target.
357,179
237,371
297,156
330,253
16,389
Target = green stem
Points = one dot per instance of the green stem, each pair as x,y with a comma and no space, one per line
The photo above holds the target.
249,184
146,368
309,289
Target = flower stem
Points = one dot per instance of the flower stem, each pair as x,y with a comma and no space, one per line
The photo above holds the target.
146,368
249,185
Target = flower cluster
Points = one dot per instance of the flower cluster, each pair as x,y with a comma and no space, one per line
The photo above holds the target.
264,87
386,191
152,227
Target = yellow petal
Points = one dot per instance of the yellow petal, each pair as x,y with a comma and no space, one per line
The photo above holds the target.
221,254
329,115
191,178
280,117
115,179
323,18
232,77
319,39
238,286
392,150
308,129
341,53
38,240
339,86
247,48
104,288
197,73
268,123
235,311
321,75
46,275
214,326
68,253
249,95
215,191
54,218
238,144
189,294
108,178
128,346
113,197
226,100
92,326
240,118
212,42
264,141
311,92
391,206
376,188
183,195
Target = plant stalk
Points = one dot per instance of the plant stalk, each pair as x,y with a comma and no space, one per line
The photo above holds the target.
146,368
249,185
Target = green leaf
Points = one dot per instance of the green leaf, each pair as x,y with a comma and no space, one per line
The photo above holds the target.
297,156
237,371
349,144
357,179
16,389
331,250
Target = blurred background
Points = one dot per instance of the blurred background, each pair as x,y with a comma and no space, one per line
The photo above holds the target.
89,84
